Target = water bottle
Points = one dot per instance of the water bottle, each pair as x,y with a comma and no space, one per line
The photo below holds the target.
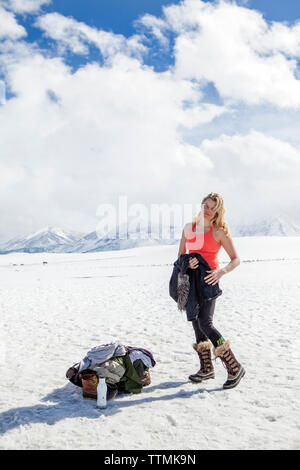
101,393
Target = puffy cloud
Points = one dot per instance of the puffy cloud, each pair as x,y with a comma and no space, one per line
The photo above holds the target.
247,59
72,140
86,137
9,27
258,173
255,154
279,37
196,115
156,26
77,36
25,6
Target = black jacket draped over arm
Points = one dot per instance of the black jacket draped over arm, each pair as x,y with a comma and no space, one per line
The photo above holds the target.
188,287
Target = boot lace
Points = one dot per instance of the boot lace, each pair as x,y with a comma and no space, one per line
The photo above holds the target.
230,363
205,358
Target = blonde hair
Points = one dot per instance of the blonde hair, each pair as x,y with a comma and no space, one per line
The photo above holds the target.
218,219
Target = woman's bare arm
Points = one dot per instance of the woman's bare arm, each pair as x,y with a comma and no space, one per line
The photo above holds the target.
227,243
182,250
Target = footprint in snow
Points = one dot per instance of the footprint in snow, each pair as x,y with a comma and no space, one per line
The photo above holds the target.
171,420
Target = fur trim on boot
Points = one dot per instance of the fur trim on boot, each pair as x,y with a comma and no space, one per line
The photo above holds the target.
206,371
202,346
146,379
235,371
220,350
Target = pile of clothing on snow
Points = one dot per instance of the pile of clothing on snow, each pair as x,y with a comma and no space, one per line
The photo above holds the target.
125,368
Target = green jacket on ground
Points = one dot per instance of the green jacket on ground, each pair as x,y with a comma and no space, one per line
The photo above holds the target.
131,379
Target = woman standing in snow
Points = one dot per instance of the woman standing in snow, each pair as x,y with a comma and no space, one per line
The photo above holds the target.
208,243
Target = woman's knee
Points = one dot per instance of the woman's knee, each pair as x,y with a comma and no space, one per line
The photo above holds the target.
207,327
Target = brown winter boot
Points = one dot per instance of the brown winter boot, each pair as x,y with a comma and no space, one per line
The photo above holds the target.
89,382
235,370
146,379
207,369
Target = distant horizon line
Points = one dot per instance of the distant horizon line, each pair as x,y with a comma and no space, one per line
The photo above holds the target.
157,234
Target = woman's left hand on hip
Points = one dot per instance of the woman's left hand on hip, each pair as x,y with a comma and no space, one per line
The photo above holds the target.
214,276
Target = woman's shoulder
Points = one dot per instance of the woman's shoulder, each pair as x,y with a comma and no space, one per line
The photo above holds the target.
190,225
220,233
218,229
187,228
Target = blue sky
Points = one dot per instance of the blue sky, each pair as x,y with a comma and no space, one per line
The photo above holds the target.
277,10
119,16
112,97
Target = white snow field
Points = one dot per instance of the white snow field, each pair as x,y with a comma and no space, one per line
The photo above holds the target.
52,314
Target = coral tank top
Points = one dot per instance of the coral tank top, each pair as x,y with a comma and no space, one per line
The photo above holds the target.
205,245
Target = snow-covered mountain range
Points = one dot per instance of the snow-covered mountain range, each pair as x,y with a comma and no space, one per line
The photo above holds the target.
48,239
282,226
56,240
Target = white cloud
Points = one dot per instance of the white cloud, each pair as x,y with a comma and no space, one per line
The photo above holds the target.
247,59
280,37
2,92
115,129
255,152
259,173
9,27
10,176
25,6
77,36
156,26
191,117
70,141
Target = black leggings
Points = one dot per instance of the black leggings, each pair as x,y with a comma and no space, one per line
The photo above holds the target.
203,324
